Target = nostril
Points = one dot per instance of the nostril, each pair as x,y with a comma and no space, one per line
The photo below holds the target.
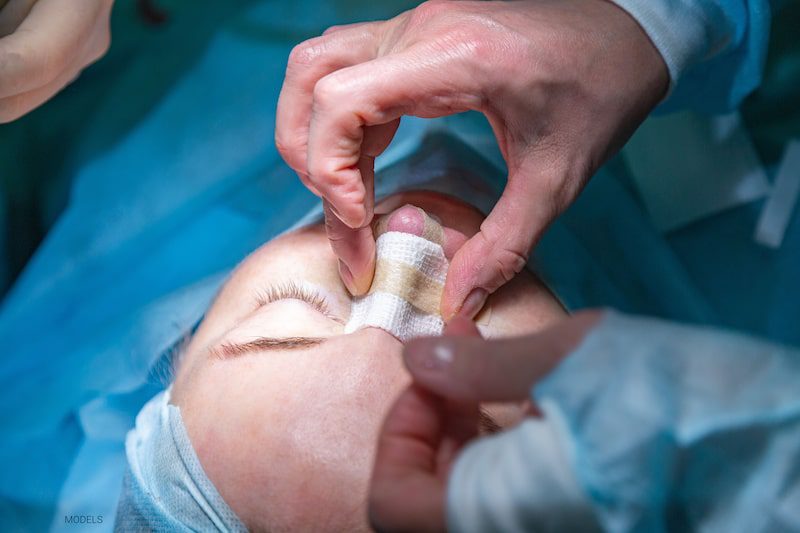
407,219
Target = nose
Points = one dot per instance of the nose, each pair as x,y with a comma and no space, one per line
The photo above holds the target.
379,338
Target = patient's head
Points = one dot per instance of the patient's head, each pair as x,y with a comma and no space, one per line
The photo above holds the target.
282,408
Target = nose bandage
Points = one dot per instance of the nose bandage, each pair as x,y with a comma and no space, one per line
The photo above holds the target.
407,288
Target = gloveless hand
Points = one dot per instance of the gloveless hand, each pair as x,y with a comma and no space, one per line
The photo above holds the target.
564,83
44,45
435,417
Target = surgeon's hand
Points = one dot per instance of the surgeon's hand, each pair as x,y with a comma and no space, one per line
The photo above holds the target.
44,45
563,83
438,414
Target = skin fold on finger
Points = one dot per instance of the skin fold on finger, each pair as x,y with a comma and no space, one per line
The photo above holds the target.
47,43
405,492
470,369
308,63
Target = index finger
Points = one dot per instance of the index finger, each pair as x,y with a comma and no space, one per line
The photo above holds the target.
470,369
417,82
43,46
308,62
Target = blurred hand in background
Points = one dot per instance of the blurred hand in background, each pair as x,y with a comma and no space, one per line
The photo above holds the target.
437,415
44,45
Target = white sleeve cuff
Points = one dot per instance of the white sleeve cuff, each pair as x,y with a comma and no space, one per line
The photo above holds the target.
677,29
518,480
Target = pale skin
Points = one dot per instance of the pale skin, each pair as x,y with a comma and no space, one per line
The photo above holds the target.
563,83
44,45
410,476
289,436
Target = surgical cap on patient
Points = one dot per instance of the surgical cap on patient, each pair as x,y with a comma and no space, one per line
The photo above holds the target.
165,487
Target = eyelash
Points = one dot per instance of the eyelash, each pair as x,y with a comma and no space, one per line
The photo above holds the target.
293,291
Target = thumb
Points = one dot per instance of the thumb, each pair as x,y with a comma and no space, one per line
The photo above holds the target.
470,369
405,493
499,251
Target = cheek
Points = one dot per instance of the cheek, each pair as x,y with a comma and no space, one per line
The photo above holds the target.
521,307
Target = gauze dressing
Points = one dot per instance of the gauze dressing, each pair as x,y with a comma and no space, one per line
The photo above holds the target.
406,291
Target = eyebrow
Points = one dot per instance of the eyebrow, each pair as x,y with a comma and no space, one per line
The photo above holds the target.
261,344
487,425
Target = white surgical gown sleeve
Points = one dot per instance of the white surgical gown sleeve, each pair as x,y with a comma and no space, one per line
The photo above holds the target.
714,49
661,427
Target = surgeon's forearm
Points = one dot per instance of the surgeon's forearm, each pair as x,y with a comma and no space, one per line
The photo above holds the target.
666,419
519,480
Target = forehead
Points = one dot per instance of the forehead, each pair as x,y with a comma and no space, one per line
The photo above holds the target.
303,253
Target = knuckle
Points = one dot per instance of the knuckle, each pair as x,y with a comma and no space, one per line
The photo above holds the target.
332,29
318,170
350,194
427,11
327,92
289,148
483,41
339,183
306,53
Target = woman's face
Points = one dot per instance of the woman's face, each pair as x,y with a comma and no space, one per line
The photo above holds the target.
282,408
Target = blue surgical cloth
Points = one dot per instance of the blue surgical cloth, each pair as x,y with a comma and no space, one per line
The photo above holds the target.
175,179
714,49
666,427
165,487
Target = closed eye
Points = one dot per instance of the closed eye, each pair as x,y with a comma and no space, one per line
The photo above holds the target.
292,290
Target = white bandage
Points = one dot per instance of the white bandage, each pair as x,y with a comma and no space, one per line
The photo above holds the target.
406,291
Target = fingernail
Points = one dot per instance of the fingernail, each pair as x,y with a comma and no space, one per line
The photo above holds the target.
433,356
473,303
